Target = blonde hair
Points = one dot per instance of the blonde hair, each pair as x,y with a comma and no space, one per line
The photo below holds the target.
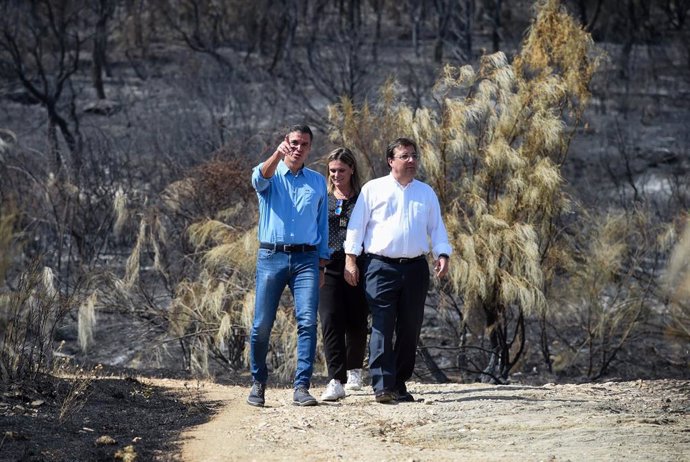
347,157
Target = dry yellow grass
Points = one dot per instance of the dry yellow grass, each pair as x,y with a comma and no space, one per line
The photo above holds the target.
677,281
492,150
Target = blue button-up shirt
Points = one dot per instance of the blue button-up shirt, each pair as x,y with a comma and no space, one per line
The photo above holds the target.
293,209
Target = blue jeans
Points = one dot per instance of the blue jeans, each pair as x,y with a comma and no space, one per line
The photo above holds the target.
275,270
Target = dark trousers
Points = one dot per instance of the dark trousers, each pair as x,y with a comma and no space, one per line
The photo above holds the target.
343,313
396,294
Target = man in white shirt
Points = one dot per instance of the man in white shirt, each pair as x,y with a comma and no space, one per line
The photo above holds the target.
393,221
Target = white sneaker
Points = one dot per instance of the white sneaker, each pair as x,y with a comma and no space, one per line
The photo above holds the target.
354,379
334,391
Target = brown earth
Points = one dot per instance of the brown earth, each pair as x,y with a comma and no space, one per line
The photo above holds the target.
631,421
165,416
173,419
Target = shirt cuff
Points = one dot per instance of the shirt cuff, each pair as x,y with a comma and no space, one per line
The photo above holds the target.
352,249
444,249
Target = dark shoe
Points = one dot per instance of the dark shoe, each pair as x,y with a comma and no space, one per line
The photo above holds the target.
256,394
386,397
301,397
405,397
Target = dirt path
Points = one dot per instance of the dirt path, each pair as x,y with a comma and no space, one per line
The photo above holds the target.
631,421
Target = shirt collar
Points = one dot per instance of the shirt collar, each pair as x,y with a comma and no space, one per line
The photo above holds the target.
394,181
283,169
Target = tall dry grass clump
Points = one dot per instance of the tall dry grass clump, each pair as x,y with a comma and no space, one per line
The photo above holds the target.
497,152
214,312
492,149
368,129
677,282
206,311
8,238
610,290
30,315
36,298
209,265
7,139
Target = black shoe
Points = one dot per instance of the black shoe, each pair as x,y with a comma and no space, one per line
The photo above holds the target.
256,394
405,397
386,397
301,397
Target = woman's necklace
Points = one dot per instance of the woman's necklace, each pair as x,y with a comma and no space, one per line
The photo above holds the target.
340,195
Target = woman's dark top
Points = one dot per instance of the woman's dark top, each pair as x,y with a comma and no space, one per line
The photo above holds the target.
337,224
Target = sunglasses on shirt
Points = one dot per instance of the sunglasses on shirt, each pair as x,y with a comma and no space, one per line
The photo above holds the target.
338,207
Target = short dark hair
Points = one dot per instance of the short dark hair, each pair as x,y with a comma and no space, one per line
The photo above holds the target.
399,143
301,129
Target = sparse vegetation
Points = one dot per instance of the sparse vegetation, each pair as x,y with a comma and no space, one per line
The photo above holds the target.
79,381
677,282
129,130
492,149
30,317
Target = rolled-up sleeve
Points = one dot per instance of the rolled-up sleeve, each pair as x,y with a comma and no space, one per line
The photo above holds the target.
258,181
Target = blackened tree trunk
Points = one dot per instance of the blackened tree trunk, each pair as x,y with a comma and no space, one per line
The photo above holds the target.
435,371
43,61
469,23
103,10
496,32
443,15
415,7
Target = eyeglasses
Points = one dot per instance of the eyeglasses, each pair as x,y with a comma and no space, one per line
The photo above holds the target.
338,207
406,157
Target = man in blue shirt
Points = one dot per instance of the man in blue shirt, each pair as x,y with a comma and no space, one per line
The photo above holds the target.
293,250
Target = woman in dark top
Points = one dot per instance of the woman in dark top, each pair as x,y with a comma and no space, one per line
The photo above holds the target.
343,309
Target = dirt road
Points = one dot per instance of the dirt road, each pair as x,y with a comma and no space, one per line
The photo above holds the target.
626,421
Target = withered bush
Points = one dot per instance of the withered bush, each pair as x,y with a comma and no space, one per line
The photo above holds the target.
201,236
215,189
492,149
610,292
677,284
30,315
367,129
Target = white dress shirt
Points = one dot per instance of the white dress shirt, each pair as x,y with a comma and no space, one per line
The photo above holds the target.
396,221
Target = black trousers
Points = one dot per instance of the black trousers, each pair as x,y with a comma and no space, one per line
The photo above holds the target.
343,313
396,294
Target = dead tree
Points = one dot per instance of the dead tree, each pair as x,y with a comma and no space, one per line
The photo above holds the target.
103,10
40,46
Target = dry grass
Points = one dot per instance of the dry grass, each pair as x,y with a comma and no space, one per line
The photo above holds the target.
207,311
606,296
201,237
121,211
80,380
492,150
368,129
677,282
30,315
8,238
86,321
7,139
